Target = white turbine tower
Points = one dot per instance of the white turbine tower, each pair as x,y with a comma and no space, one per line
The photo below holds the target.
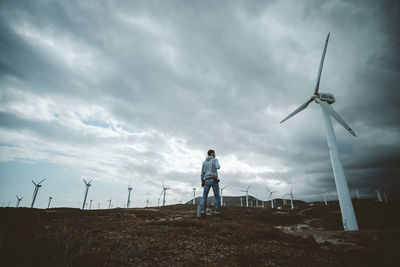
18,201
325,100
378,194
269,197
37,186
247,195
291,197
163,192
87,185
194,195
222,197
324,195
241,202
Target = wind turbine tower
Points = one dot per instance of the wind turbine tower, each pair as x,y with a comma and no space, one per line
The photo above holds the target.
291,197
325,100
109,203
90,205
87,185
163,192
378,194
241,202
222,197
147,200
324,195
18,201
48,205
129,195
194,195
385,197
247,195
269,197
37,186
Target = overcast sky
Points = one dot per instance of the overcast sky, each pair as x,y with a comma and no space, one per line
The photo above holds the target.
138,91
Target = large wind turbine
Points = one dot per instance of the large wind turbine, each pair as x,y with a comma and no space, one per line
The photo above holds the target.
247,195
222,197
37,186
87,185
269,197
18,200
325,100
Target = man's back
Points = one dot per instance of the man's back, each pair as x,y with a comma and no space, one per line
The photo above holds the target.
209,168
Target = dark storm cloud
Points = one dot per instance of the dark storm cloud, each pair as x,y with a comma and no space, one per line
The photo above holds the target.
215,74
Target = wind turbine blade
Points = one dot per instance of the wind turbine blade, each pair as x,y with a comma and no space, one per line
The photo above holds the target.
335,115
42,180
33,182
90,181
321,64
299,109
248,187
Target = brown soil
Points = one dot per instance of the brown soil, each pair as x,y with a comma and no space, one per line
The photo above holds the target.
172,235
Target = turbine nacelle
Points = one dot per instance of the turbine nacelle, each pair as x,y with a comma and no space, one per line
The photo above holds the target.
326,97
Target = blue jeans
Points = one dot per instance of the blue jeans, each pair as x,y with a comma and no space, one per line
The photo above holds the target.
215,186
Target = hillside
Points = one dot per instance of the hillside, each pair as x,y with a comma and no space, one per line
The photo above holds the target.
310,235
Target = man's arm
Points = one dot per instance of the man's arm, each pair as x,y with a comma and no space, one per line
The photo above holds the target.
217,164
202,172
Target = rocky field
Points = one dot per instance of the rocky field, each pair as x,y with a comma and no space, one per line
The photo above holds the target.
310,235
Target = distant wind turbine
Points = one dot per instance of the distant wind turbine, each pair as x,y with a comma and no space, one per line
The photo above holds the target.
37,186
129,195
194,195
324,195
18,201
222,197
90,205
87,185
291,197
270,195
163,192
325,100
109,203
247,195
378,194
385,197
147,200
48,205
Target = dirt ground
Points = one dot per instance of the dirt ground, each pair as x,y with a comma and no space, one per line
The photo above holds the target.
173,236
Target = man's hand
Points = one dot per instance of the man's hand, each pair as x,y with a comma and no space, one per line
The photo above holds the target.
203,183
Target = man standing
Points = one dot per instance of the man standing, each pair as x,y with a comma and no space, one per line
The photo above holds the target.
209,178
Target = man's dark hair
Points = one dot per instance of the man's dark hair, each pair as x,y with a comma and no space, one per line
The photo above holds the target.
210,152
